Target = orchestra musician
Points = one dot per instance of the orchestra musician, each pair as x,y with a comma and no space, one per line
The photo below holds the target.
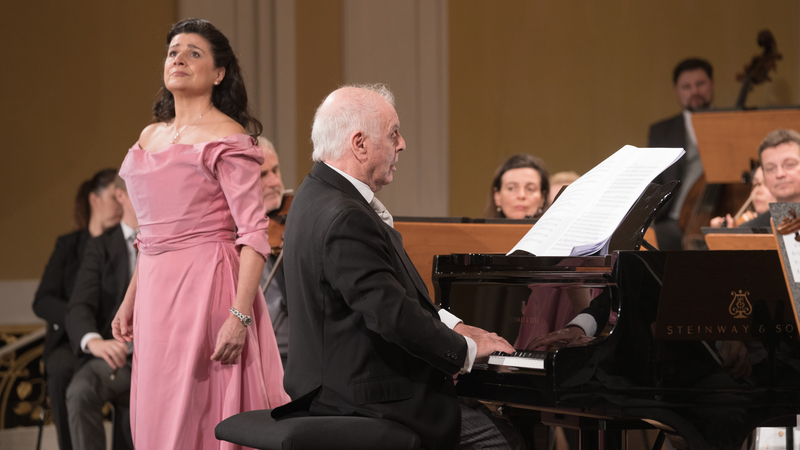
104,372
779,153
759,200
519,188
96,210
559,180
277,202
693,82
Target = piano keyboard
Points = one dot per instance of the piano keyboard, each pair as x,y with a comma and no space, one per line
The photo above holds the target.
527,360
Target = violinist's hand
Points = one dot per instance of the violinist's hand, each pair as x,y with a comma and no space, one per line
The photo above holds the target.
717,222
562,337
735,359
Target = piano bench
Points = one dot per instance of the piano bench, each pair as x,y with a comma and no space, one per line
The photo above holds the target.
257,429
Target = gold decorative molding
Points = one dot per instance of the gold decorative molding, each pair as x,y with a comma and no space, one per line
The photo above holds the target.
22,387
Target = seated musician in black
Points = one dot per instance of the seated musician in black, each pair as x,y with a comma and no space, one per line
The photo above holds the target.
96,210
275,292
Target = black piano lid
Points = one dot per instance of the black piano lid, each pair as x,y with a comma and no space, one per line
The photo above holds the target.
498,262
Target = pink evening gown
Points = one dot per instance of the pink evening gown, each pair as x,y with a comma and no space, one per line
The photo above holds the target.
192,201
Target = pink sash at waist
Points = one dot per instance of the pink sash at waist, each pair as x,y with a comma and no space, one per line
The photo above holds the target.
154,244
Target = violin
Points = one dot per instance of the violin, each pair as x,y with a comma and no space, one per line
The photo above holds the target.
277,223
745,214
275,230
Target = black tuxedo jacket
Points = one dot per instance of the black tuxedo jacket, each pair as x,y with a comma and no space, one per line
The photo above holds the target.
669,133
58,280
99,287
365,338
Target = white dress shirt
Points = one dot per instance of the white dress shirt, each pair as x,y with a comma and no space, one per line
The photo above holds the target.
447,318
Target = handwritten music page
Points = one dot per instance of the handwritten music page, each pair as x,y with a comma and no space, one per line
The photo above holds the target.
589,210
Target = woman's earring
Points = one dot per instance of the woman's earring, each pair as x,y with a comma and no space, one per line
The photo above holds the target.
499,209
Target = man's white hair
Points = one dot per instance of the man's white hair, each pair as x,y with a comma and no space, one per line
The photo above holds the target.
336,121
266,144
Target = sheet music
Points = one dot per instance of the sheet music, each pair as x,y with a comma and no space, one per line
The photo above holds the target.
589,210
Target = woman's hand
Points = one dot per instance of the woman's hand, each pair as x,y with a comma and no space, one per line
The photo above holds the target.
122,325
230,340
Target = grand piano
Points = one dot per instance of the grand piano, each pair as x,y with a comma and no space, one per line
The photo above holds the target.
656,363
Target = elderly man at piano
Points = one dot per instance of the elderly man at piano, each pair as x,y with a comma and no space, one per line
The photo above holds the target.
366,339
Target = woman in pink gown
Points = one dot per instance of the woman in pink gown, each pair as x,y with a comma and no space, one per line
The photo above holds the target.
204,348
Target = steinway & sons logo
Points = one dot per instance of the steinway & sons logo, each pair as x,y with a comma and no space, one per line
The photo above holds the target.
740,307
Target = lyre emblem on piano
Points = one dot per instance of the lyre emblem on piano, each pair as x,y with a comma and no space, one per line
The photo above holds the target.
740,307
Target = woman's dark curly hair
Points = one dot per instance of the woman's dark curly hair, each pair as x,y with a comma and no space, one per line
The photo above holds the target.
229,96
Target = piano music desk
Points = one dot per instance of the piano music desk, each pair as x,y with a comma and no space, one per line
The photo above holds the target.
423,240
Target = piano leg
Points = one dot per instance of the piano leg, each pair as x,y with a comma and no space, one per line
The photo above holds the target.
659,440
590,439
609,439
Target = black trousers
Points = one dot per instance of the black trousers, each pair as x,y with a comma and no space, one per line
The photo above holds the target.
59,366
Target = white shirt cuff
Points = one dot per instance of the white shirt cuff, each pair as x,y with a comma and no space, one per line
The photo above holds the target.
586,322
449,319
472,352
472,348
86,338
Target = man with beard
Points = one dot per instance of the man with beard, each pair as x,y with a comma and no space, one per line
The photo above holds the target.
275,293
694,87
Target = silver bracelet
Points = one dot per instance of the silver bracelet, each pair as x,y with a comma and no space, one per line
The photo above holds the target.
246,320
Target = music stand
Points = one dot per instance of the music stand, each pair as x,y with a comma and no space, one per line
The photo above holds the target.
728,140
739,239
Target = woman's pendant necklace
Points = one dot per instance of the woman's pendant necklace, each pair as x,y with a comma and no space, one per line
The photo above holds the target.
178,134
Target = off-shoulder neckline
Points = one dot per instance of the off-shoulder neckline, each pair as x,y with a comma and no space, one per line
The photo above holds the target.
236,136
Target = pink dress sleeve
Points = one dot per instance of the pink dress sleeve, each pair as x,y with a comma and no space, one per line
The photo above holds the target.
235,162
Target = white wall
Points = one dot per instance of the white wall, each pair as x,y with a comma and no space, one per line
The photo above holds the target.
261,33
404,44
16,301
